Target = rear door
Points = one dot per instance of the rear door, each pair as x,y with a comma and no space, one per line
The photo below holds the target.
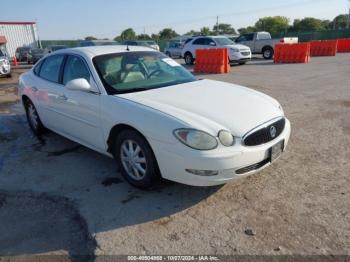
47,91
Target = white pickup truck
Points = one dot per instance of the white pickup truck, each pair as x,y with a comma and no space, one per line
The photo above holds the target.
262,43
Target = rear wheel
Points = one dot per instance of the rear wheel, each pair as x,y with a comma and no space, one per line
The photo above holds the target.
136,160
33,118
189,59
168,54
268,52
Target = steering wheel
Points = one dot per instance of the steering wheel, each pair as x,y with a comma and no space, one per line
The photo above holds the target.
155,72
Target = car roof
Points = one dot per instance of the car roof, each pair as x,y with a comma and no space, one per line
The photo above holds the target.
92,51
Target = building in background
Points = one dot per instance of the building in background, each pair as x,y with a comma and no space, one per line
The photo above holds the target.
19,34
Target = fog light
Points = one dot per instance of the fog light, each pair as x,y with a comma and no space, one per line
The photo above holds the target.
202,172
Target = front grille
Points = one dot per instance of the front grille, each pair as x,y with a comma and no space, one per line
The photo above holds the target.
265,135
252,167
245,53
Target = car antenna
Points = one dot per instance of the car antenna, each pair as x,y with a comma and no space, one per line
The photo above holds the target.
127,48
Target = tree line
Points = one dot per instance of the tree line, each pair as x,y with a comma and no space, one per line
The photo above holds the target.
272,24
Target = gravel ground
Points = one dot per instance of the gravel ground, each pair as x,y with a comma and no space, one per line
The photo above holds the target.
57,197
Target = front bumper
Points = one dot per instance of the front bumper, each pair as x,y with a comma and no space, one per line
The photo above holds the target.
242,56
174,159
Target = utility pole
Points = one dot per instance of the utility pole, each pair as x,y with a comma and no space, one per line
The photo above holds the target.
348,21
217,24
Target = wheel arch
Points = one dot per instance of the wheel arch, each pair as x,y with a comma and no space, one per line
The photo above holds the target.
25,98
266,47
115,131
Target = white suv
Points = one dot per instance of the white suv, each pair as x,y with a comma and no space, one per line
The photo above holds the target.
237,53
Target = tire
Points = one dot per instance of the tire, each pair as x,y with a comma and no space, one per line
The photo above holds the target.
189,58
139,170
9,75
267,52
242,63
33,118
168,54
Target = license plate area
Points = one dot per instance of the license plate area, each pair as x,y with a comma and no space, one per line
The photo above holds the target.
276,151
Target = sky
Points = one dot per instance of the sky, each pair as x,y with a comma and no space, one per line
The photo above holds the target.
76,19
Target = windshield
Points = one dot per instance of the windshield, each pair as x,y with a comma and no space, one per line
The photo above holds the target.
224,41
139,71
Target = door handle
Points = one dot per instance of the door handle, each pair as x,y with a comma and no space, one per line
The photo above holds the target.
63,97
34,88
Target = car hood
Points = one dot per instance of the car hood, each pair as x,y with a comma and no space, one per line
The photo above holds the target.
211,105
240,47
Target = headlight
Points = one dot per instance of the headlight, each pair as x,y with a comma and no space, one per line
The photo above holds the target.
226,138
235,49
196,139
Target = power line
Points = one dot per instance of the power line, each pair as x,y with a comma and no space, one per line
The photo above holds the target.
224,15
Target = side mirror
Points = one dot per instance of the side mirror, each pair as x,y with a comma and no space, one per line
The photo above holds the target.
81,84
212,44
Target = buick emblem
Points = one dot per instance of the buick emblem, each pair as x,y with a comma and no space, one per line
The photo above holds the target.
273,131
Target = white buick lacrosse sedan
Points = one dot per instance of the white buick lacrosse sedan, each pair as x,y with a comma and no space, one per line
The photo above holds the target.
153,116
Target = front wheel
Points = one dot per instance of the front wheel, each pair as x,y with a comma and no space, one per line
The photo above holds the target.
189,59
268,53
136,160
33,118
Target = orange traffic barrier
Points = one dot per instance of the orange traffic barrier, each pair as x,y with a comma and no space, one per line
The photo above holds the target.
15,63
344,45
212,61
323,48
292,53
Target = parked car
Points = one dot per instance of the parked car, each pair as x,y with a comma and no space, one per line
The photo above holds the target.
153,116
237,53
5,66
22,53
35,55
262,43
98,42
174,49
147,43
54,48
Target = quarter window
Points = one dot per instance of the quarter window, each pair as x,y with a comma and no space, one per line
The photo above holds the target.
50,69
75,68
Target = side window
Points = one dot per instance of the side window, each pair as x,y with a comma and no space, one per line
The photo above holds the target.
249,37
75,68
199,41
37,68
209,41
50,69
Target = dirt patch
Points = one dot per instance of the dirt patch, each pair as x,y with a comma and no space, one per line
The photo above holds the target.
41,223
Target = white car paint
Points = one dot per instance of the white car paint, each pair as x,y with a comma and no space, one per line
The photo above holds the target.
237,52
206,105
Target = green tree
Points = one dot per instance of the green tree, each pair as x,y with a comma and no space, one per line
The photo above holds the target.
128,34
245,30
143,37
155,37
193,32
308,24
340,22
224,29
167,33
205,31
272,24
89,38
